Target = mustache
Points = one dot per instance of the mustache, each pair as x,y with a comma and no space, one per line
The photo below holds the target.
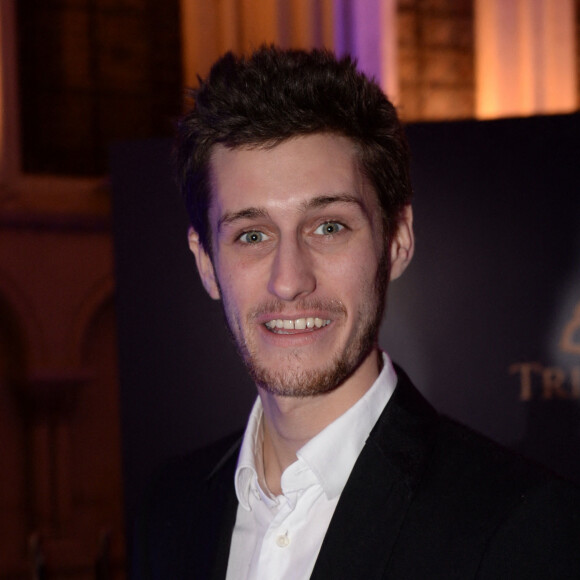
330,306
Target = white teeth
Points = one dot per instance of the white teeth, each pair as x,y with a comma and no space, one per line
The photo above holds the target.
297,324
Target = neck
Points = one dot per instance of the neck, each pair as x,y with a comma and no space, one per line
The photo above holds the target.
290,422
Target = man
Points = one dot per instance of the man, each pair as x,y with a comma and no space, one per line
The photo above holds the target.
295,172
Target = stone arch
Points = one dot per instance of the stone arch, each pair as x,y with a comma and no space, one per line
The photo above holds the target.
18,307
100,293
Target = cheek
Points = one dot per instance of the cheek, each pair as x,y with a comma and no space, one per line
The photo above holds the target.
350,280
355,269
238,285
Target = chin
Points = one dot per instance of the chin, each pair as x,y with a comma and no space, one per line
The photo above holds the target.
299,382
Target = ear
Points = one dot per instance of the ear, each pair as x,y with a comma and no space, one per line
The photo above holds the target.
402,244
204,265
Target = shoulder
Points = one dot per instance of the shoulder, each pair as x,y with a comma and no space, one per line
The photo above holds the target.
531,516
190,503
453,454
461,450
470,458
200,465
482,477
482,505
187,478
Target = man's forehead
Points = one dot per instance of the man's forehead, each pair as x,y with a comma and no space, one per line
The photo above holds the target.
221,151
292,171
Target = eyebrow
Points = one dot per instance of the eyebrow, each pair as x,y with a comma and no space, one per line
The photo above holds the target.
246,213
324,200
314,203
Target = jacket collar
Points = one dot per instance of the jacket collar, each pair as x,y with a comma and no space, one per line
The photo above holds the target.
374,503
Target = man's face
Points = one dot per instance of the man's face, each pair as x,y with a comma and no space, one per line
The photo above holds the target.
299,261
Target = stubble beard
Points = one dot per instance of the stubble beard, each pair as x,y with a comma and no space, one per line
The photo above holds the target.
296,381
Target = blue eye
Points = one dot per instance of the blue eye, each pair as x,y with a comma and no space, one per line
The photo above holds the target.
328,228
253,237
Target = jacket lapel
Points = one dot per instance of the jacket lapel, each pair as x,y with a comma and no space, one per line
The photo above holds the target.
373,505
221,481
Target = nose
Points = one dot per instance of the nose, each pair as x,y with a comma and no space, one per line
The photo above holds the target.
292,275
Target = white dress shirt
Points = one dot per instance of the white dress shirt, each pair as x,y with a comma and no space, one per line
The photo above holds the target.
279,537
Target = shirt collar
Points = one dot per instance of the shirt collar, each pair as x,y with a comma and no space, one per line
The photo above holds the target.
331,454
250,459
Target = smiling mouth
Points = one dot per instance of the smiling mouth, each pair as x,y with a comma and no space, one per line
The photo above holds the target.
280,325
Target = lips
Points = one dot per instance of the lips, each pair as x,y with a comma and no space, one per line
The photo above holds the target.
285,324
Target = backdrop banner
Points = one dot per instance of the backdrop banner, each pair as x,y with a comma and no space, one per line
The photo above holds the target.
486,320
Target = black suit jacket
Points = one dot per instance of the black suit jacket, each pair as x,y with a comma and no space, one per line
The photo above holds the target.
427,499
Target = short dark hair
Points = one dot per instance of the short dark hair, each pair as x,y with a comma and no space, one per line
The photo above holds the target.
274,95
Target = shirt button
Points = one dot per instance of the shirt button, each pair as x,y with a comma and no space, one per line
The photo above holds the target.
283,541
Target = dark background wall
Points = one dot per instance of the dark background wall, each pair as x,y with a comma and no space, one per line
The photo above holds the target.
478,320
